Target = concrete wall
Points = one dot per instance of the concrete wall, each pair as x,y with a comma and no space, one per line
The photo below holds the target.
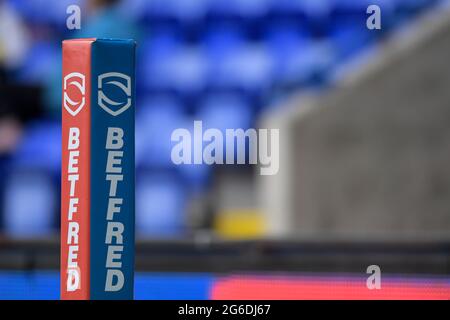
372,158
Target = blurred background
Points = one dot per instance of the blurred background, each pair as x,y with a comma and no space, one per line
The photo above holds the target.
364,124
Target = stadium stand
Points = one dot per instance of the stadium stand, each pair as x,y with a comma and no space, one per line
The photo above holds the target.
223,62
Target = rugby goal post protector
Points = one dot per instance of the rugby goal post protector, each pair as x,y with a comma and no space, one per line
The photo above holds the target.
98,175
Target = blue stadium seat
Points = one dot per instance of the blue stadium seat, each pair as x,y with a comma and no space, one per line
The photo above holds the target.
156,11
30,204
196,176
40,148
155,120
134,9
222,111
287,7
283,35
39,62
162,43
244,9
285,40
349,6
413,6
225,111
307,65
406,9
174,68
249,68
221,39
348,39
189,10
316,8
160,205
188,70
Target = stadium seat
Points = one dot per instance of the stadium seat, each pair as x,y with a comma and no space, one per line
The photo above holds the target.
222,111
40,148
173,68
283,36
196,176
307,66
177,11
413,6
39,62
248,68
155,121
30,204
221,39
162,43
287,7
243,9
348,38
186,71
225,111
285,40
160,205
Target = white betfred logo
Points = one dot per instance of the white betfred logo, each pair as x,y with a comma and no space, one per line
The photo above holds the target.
76,80
115,145
114,108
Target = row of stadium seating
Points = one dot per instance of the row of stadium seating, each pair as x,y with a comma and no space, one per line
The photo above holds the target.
194,11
